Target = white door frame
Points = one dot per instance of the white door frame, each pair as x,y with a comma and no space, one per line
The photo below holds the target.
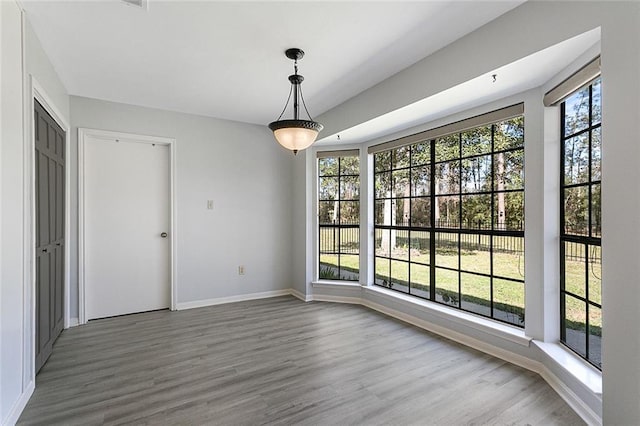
83,135
37,92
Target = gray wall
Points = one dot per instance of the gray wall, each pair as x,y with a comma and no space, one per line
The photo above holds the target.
238,166
19,43
11,213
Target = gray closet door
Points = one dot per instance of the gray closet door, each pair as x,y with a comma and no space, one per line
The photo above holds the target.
49,198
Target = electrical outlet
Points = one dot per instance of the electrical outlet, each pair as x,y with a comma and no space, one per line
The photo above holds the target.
209,204
241,270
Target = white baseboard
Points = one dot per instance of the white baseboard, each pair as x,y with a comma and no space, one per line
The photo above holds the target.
297,294
231,299
18,407
569,396
73,322
336,299
461,338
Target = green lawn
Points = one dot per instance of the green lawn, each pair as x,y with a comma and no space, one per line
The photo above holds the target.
507,294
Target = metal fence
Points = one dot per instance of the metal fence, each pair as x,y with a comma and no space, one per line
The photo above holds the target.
344,239
468,242
576,252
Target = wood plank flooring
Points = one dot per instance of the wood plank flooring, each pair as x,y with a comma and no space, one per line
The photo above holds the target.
280,361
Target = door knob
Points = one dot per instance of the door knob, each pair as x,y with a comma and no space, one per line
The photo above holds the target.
163,235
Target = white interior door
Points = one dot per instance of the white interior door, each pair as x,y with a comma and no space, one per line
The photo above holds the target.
126,211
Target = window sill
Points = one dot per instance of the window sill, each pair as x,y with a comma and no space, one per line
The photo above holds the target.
503,331
574,365
335,283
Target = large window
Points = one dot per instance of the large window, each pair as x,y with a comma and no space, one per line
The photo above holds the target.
339,215
580,253
449,220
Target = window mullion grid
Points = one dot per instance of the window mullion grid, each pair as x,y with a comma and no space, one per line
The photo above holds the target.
409,224
459,221
432,234
339,216
589,232
563,260
493,209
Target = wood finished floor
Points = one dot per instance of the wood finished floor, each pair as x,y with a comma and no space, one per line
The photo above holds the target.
280,361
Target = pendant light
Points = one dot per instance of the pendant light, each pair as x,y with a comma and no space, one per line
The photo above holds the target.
295,134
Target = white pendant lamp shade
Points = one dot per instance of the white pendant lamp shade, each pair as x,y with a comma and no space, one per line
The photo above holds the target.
295,134
295,138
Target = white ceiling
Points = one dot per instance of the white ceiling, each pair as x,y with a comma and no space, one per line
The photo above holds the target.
527,73
226,60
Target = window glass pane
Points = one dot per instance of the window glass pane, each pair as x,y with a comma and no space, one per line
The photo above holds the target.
595,274
447,249
508,301
401,215
400,157
328,166
476,293
576,159
328,239
383,242
509,134
476,174
379,212
576,115
597,101
476,211
420,246
596,154
420,182
382,161
476,141
509,170
421,212
349,240
509,211
595,335
328,188
349,267
575,268
327,212
508,257
349,187
329,267
575,324
401,248
475,255
349,212
448,148
400,276
447,211
447,287
420,276
383,271
400,180
596,216
447,179
383,185
349,166
576,212
421,153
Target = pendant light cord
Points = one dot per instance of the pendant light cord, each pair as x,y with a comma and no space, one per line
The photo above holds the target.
304,104
287,103
295,70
